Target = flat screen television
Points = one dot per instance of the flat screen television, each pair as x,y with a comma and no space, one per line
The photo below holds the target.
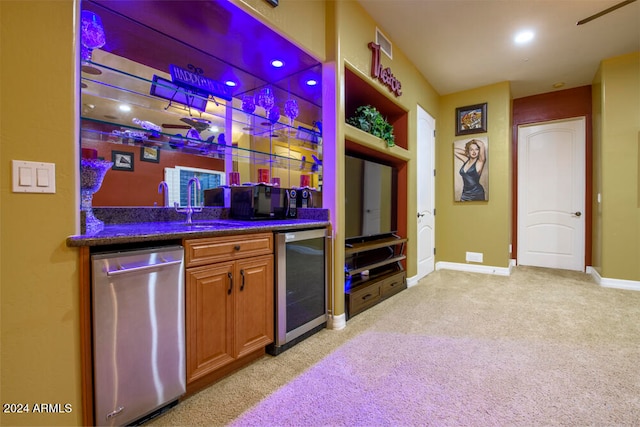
370,198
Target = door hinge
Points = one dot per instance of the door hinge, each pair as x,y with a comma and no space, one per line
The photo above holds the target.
434,211
434,172
434,250
434,133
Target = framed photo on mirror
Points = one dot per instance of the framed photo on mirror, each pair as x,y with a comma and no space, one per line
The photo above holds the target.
122,161
150,154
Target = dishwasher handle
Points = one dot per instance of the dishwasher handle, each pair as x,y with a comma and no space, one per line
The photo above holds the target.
123,270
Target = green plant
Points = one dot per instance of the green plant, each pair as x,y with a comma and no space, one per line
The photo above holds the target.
369,119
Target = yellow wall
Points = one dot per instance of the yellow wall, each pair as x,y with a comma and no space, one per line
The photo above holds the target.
616,94
475,226
39,278
302,22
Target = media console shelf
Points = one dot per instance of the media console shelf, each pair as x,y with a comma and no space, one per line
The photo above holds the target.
373,271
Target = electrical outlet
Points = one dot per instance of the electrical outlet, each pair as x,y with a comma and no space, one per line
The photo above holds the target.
474,257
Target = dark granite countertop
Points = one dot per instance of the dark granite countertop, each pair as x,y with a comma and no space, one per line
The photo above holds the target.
150,229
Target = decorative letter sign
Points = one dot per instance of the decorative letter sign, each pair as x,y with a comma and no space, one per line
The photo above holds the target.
385,75
196,80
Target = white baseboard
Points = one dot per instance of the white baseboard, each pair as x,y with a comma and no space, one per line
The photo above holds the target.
337,322
412,281
631,285
476,268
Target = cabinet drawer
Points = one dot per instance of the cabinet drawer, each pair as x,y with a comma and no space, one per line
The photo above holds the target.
364,298
393,285
227,248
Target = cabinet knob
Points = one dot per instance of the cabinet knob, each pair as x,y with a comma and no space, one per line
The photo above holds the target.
236,247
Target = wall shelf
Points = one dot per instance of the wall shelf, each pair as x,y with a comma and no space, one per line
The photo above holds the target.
366,140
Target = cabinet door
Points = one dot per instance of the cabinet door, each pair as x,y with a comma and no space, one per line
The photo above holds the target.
253,304
209,313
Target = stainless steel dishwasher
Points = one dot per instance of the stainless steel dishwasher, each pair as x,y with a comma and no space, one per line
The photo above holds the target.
138,333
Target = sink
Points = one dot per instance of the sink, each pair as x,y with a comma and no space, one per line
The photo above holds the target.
212,225
217,224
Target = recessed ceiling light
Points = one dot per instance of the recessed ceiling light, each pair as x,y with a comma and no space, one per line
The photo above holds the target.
230,83
558,85
124,107
277,63
524,37
311,82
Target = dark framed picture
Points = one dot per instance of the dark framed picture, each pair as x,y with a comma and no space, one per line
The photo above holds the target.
150,154
122,161
471,119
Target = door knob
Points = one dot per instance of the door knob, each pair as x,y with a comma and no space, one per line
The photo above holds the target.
420,215
577,213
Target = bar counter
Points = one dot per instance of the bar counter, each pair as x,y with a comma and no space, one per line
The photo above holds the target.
134,225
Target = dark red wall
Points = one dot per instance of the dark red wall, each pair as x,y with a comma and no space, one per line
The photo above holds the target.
562,104
140,187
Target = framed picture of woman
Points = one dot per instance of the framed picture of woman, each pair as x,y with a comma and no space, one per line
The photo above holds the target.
470,169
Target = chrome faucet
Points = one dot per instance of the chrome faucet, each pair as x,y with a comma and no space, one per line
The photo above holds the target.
164,187
189,210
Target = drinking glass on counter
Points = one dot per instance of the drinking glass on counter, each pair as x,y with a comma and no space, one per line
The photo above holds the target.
263,175
234,178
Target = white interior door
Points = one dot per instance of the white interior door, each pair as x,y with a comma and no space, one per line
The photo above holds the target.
426,192
371,200
551,194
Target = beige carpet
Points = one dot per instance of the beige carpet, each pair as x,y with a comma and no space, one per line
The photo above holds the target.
541,347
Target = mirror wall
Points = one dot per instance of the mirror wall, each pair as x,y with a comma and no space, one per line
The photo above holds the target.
167,130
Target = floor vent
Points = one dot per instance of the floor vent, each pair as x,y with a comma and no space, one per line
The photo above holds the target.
385,44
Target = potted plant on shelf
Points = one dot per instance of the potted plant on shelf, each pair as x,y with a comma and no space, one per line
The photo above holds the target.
370,120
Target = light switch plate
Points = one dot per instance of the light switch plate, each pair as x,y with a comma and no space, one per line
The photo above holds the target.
33,177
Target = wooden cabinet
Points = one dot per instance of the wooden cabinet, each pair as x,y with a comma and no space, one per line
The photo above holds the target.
373,272
229,301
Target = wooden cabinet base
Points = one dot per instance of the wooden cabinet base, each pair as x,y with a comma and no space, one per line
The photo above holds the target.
215,376
374,290
229,305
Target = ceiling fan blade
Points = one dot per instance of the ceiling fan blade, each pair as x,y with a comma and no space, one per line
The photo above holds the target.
170,126
196,123
604,12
